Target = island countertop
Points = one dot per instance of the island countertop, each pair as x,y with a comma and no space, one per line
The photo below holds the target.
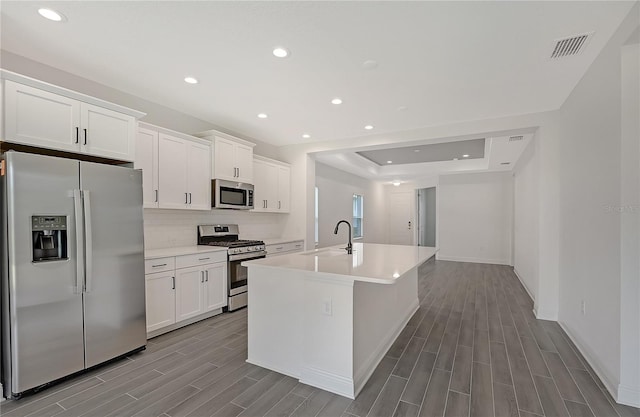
370,262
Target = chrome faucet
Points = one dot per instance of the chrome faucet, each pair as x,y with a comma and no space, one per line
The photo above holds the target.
349,247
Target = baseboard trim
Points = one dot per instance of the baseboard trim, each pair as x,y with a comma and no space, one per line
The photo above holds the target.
472,260
629,395
327,381
544,314
593,362
526,288
362,375
273,368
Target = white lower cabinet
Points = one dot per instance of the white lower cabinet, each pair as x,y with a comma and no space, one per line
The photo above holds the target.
195,285
160,299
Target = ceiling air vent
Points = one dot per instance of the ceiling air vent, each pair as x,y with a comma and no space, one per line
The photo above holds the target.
570,46
516,138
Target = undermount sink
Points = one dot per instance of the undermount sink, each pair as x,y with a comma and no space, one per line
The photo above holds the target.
327,252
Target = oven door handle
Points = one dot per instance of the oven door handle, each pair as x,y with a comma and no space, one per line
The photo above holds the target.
248,256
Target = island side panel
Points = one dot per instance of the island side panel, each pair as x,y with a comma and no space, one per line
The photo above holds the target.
380,313
328,334
275,319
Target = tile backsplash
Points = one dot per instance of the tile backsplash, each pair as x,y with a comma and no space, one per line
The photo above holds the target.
173,228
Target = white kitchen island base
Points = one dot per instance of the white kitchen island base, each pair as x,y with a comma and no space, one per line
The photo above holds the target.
326,327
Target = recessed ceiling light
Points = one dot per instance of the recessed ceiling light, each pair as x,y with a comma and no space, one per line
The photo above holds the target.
306,136
416,150
336,101
190,80
368,127
396,275
281,52
389,162
465,155
396,183
262,116
51,15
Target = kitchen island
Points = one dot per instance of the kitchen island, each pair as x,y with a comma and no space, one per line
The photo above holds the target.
327,317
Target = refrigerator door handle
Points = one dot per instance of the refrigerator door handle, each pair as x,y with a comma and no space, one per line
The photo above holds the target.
77,208
88,241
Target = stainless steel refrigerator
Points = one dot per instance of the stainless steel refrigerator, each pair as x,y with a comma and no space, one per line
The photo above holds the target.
72,267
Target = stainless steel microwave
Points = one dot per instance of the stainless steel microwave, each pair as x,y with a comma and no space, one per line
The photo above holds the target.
231,195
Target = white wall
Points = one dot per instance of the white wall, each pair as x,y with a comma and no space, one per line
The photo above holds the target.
474,217
589,180
526,213
336,189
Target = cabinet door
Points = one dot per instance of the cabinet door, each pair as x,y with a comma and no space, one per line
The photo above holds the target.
271,179
160,300
189,297
284,189
107,133
224,155
199,176
215,286
260,186
147,161
244,163
172,172
39,118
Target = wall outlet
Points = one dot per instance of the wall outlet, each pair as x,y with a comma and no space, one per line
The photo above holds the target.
583,307
327,308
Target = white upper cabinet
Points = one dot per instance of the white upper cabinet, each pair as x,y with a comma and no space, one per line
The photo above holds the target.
232,157
147,161
107,133
272,185
176,169
46,116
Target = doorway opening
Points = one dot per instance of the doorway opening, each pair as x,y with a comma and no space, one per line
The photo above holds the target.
426,218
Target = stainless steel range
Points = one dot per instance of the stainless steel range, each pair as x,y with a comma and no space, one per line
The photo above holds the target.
237,252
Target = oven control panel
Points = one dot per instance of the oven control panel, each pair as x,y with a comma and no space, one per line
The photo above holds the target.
246,249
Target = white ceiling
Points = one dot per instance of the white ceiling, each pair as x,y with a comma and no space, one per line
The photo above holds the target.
445,151
443,61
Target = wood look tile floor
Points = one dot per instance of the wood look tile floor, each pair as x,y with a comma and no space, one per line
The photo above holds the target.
473,348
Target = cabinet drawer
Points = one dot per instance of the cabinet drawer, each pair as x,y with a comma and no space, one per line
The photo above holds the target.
159,265
187,261
281,248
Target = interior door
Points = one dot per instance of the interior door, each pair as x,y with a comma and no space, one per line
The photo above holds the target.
114,309
401,219
45,305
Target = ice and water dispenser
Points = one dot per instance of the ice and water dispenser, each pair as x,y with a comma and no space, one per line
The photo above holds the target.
49,238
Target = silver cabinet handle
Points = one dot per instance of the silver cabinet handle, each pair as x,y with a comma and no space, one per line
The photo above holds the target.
207,274
156,195
279,248
189,198
186,196
298,246
157,266
77,134
201,276
77,208
173,283
238,172
88,242
85,136
203,259
279,205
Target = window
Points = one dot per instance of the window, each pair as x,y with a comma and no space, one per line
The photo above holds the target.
316,230
357,216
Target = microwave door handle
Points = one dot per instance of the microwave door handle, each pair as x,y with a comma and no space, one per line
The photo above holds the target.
77,211
88,241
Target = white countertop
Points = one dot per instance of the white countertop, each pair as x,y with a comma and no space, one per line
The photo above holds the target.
369,262
281,240
183,250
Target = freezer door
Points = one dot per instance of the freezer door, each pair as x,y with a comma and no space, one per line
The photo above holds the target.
44,309
114,301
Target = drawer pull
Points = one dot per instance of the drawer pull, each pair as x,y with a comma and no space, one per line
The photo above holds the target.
203,259
298,246
173,283
279,248
159,265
